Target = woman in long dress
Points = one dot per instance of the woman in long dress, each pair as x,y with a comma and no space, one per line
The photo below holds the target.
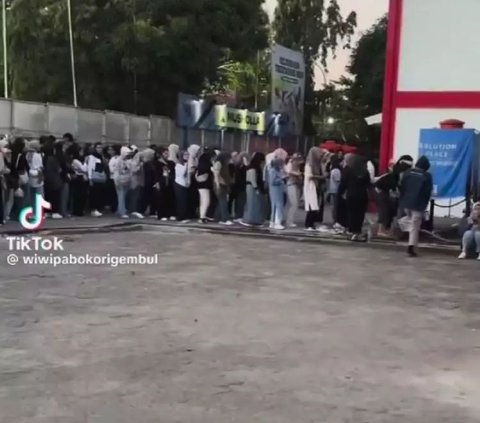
255,209
313,175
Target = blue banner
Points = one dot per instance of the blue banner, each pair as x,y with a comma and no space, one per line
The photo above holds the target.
450,152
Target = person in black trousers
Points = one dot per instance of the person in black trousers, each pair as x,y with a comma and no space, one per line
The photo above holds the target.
53,179
354,188
164,186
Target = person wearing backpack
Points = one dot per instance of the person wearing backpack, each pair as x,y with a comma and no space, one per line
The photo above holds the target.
97,178
122,177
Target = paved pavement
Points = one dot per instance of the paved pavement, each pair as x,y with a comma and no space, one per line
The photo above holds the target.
239,330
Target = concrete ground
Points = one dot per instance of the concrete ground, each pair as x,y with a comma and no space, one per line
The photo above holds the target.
239,330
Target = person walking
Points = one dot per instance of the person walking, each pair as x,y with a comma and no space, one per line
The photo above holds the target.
354,187
204,179
255,207
164,186
222,184
294,182
313,176
182,181
276,189
97,177
415,192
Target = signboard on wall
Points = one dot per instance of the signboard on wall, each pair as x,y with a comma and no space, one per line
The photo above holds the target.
451,154
228,117
288,86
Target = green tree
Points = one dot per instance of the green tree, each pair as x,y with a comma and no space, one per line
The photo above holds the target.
367,66
131,55
316,28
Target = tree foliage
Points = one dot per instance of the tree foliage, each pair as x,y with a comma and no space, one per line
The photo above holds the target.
317,28
131,55
367,66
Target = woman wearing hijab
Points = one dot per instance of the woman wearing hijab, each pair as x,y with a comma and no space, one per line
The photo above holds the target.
276,189
313,176
255,207
78,183
182,182
35,170
122,177
164,186
17,178
97,177
222,183
204,180
294,182
238,193
193,198
53,179
354,188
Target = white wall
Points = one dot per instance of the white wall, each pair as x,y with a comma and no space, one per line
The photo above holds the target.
407,135
440,49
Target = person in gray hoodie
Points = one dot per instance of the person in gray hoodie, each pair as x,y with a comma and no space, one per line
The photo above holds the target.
122,177
137,185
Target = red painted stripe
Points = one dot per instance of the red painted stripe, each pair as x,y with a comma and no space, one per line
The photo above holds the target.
438,100
391,81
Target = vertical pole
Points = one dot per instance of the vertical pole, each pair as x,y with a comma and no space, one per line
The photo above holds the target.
5,54
72,53
257,80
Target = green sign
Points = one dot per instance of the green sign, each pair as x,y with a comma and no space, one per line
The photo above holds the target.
228,117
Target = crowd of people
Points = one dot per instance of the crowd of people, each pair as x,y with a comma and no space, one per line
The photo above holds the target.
210,185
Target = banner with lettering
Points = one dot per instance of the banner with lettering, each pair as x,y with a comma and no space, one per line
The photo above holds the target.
228,117
451,153
288,86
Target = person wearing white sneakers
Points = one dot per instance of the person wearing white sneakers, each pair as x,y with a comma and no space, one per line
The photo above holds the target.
294,182
97,177
276,190
53,180
471,237
313,175
121,176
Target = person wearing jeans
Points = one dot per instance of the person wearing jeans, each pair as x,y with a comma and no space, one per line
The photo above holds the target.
415,192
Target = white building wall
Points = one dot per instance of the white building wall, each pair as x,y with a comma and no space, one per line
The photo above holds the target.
440,46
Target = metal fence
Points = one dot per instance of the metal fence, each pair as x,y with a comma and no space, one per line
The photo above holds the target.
31,120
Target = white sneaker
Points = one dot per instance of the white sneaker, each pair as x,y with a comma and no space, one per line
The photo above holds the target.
292,225
227,223
245,224
323,229
124,216
57,216
185,221
96,213
164,219
237,220
310,229
137,215
278,227
463,256
271,225
173,218
478,258
338,227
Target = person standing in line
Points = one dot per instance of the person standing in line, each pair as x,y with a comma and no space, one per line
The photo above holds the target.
17,179
204,178
354,187
79,184
97,178
294,181
222,184
276,189
122,177
173,153
182,182
164,186
137,185
35,171
193,196
313,175
334,183
415,192
65,174
53,180
109,152
386,187
238,192
149,197
471,237
255,207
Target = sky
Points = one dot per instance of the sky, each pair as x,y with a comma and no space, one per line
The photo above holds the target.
368,11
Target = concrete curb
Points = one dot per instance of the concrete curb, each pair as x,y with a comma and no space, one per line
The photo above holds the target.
244,232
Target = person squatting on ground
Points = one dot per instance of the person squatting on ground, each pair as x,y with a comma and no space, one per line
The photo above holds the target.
471,237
